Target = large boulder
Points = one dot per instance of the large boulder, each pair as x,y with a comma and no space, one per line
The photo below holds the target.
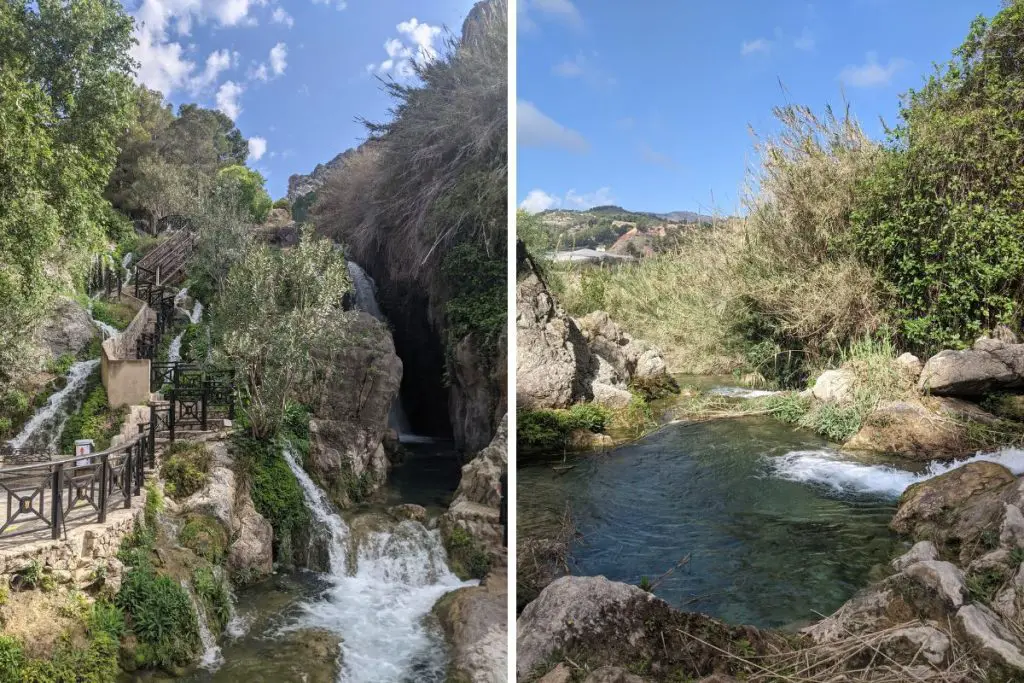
990,365
633,359
554,365
834,386
250,556
607,623
68,329
347,457
475,623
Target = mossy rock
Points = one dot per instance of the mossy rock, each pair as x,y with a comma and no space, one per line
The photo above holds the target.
466,558
205,537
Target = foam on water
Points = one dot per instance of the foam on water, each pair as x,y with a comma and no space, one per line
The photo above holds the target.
212,657
174,350
740,392
827,468
379,607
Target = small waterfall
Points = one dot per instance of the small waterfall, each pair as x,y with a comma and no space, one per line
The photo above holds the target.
174,350
105,329
740,392
379,608
366,300
126,263
49,420
826,468
212,656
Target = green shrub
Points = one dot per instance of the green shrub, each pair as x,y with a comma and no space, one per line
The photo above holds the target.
206,537
833,421
113,313
478,296
12,658
105,617
185,469
465,556
283,203
539,431
275,491
214,595
61,365
159,612
94,420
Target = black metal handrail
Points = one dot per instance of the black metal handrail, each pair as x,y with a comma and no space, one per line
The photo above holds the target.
48,495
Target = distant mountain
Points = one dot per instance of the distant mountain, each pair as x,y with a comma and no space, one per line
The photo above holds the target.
685,217
301,185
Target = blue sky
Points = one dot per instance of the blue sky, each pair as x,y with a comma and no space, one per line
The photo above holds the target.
648,105
293,74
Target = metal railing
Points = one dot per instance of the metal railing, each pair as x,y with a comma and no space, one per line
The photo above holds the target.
195,396
52,494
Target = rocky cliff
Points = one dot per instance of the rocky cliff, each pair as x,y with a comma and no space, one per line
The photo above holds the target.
300,185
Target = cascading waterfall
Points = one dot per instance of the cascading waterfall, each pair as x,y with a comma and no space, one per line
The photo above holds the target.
827,468
126,263
212,656
49,420
378,605
174,350
366,300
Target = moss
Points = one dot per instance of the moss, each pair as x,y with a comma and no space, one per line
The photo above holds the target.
653,388
95,420
186,469
478,300
159,613
465,556
62,365
205,537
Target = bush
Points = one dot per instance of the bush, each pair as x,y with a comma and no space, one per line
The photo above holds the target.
465,556
94,420
185,469
205,537
540,431
276,493
159,612
214,595
477,303
940,218
62,365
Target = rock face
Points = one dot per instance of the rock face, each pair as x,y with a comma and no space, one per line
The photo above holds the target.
834,386
991,365
251,554
613,624
561,361
69,329
477,402
346,455
475,623
300,185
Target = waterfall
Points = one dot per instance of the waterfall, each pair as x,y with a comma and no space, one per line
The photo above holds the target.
826,468
49,420
379,605
106,330
366,300
174,350
126,263
212,657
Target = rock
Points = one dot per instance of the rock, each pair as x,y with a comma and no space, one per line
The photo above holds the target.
477,502
300,185
867,611
347,459
911,364
916,431
957,508
586,440
478,399
991,365
68,329
560,674
914,642
612,674
554,364
1004,334
990,637
216,499
250,556
632,359
416,513
922,551
1008,601
834,386
476,625
944,578
610,397
614,624
1011,534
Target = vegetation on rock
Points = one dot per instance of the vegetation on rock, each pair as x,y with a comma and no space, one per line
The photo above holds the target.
95,420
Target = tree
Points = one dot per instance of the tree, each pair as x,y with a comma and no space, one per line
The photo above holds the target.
247,185
161,189
279,321
141,141
204,139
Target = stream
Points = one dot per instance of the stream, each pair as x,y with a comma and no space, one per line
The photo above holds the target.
779,527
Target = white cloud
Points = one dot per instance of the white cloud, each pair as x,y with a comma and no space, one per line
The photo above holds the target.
340,4
418,45
559,10
281,16
279,59
257,148
536,129
570,68
871,73
806,41
229,99
217,62
163,64
261,73
749,47
538,200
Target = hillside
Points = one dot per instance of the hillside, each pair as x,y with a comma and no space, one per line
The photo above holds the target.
616,229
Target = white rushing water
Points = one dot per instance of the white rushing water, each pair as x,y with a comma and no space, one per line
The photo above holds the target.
212,656
366,300
174,350
50,418
829,469
379,607
740,392
126,263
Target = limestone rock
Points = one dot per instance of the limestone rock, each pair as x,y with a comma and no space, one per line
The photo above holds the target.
911,364
906,644
250,557
416,513
68,329
560,674
478,400
1009,601
943,578
991,365
633,359
216,499
477,502
922,551
1011,534
990,637
609,396
347,459
475,623
834,386
918,431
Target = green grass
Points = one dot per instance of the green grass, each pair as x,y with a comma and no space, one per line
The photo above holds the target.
113,313
467,559
185,469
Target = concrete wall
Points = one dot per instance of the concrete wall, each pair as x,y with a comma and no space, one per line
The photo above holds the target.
125,378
